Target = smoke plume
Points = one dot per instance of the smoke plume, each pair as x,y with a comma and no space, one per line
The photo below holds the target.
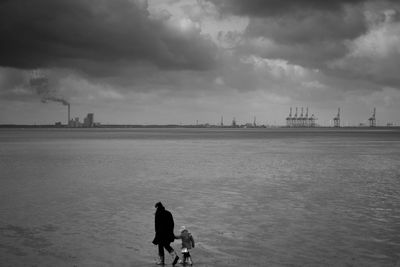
41,85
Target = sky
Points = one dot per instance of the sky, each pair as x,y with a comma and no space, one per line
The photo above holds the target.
188,61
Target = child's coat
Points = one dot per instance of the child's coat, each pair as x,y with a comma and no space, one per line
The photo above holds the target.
187,239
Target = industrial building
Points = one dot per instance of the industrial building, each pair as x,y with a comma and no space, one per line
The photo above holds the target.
88,122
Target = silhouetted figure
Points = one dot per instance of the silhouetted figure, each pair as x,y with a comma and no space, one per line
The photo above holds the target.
164,227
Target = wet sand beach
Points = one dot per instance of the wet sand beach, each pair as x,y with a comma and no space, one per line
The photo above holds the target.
250,197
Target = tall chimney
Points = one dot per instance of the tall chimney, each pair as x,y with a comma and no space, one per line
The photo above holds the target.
68,115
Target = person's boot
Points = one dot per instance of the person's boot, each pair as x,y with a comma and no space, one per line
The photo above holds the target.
175,257
160,260
183,260
189,261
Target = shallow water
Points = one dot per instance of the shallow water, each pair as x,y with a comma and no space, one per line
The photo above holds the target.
255,197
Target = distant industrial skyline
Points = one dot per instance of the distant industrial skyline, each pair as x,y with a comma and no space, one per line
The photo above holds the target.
193,61
297,118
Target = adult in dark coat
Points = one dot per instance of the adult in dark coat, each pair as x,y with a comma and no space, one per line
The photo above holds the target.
164,227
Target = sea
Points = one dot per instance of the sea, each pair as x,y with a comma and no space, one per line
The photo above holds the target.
250,197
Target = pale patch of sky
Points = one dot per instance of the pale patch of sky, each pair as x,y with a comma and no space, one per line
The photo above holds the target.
277,67
198,14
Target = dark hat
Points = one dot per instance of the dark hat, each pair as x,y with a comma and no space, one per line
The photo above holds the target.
159,205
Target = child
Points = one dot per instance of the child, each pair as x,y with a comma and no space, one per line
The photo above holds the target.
187,243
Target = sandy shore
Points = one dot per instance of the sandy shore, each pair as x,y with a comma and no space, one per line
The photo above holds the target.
247,202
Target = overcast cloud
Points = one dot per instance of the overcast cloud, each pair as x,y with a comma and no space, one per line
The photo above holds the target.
181,61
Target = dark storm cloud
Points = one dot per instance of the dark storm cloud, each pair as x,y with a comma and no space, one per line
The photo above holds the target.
95,36
306,33
278,7
305,26
352,39
308,38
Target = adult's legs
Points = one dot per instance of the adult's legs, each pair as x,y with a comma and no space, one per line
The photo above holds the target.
170,250
161,250
160,254
168,247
